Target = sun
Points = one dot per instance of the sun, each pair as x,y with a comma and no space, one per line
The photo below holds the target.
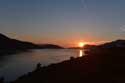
81,44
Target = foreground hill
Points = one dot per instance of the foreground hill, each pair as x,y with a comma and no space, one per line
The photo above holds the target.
100,65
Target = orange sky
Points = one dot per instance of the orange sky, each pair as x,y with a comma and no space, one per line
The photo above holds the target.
63,22
67,42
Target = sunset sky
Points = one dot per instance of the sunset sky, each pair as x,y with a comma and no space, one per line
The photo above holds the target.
63,22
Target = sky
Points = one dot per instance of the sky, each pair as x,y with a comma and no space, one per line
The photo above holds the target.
63,22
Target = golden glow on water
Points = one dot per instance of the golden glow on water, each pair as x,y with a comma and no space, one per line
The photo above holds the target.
80,53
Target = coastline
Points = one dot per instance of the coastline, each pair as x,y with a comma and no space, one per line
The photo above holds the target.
99,65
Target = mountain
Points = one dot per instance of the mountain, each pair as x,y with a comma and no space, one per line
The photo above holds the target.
117,43
87,46
49,46
9,45
3,37
74,48
114,44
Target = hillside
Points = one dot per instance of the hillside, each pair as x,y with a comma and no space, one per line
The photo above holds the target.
98,65
9,45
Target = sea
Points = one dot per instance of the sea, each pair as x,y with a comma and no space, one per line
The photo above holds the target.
14,65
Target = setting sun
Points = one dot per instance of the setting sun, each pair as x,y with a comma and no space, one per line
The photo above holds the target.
81,44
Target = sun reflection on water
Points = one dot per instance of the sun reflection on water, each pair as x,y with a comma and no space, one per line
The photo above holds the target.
80,53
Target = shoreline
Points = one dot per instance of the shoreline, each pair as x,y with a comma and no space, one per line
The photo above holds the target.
96,66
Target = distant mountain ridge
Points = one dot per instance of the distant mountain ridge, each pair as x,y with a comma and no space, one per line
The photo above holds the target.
50,46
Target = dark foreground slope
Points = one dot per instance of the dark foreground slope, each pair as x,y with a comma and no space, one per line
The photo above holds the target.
99,65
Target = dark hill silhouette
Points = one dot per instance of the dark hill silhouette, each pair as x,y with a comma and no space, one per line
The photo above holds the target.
117,43
99,65
74,48
9,45
3,37
50,46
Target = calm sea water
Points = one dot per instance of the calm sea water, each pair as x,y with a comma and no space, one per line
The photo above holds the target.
13,66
